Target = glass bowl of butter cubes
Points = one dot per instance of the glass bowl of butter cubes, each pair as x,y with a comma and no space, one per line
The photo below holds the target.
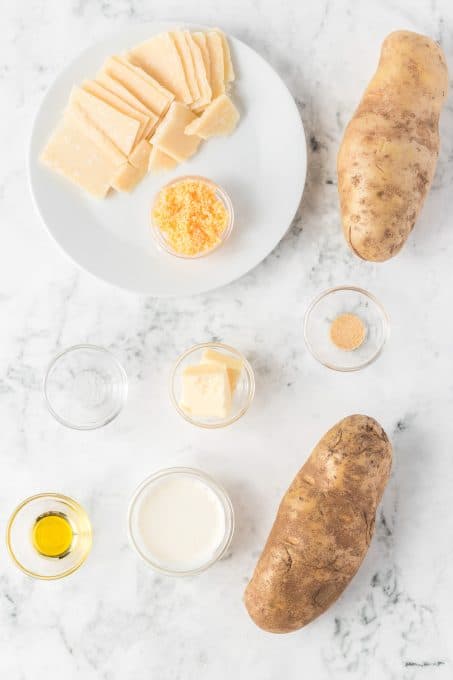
212,385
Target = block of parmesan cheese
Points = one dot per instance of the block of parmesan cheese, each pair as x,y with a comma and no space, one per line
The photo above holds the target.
160,162
181,44
101,92
218,119
72,153
127,177
215,48
139,157
206,391
227,63
159,57
121,129
169,136
162,96
200,74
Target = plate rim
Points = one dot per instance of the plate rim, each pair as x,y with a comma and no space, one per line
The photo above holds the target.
111,35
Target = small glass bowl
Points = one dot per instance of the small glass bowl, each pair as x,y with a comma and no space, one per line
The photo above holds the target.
243,394
85,387
327,307
19,536
220,193
218,490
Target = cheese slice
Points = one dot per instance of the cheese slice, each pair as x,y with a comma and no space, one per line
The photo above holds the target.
169,136
101,92
200,74
71,153
206,391
139,157
121,129
78,116
218,119
160,162
229,75
215,47
127,177
232,365
163,97
117,88
200,39
181,44
159,57
131,80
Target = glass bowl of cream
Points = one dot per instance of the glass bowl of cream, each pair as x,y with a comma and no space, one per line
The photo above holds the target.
180,521
212,385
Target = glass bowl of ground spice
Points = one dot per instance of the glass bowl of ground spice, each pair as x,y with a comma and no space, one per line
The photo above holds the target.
191,217
346,328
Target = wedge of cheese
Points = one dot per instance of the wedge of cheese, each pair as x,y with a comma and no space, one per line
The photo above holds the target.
127,177
131,80
200,39
160,162
159,57
206,391
200,74
121,129
72,153
101,92
169,136
218,119
181,44
139,157
215,48
229,75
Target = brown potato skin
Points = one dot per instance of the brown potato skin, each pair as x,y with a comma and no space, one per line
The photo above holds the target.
323,527
389,151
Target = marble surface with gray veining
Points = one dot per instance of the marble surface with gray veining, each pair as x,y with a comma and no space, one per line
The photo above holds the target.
116,619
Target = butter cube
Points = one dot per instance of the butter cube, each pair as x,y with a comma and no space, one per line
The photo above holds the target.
206,391
233,365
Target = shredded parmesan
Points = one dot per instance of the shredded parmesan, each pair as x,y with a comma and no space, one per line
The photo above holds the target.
191,216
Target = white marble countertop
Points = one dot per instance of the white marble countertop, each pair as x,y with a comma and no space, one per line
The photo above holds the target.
115,618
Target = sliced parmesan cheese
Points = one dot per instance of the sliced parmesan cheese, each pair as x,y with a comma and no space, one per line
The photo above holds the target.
181,44
75,115
127,177
163,97
101,92
215,47
228,64
121,129
139,157
200,39
218,119
160,58
117,88
131,80
160,162
169,136
71,153
200,74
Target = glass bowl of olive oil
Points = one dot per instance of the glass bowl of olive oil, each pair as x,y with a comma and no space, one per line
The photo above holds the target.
49,536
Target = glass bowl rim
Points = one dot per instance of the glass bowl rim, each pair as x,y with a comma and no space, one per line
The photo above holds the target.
370,296
251,382
123,378
226,200
214,486
65,499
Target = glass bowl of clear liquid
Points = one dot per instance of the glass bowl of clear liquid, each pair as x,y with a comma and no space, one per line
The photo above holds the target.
85,387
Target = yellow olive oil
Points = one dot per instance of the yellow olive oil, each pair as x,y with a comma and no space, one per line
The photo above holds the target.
52,535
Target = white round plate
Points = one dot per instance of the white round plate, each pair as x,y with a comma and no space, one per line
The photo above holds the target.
262,165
